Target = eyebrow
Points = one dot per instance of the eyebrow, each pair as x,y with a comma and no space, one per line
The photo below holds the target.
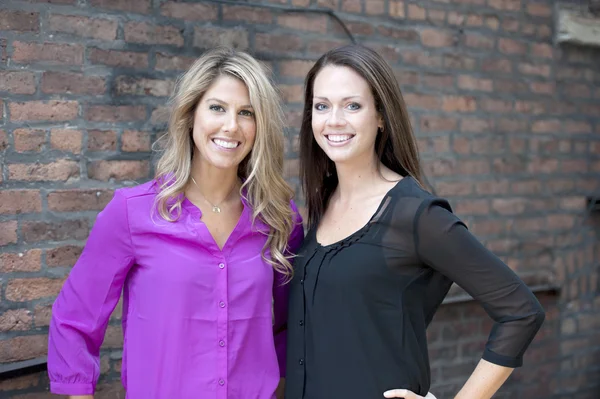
224,103
343,99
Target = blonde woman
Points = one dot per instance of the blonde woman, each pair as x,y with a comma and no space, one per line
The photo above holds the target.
200,253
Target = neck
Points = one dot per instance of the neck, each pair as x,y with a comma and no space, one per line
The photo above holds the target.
215,184
354,178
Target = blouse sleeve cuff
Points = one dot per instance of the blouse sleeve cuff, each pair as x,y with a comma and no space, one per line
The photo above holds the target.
61,388
500,360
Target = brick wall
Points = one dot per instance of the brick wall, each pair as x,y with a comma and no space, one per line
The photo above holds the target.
508,125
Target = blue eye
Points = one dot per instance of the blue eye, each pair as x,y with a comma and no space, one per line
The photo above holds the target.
245,112
353,106
216,108
320,107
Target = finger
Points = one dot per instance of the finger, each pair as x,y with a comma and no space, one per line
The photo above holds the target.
399,393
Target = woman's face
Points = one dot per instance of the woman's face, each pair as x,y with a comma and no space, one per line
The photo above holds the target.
224,125
344,117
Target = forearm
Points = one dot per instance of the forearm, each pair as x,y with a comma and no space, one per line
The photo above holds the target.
485,381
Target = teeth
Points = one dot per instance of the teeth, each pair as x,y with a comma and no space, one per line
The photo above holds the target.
226,144
339,137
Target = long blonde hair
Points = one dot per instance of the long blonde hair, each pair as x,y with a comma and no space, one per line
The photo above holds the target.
261,171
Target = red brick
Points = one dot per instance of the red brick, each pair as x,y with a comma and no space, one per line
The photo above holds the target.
67,140
577,91
492,22
142,32
509,46
72,83
95,28
531,69
27,289
301,3
397,9
277,43
542,50
295,68
17,82
469,167
439,167
375,7
137,6
311,23
129,85
472,83
408,35
530,107
292,93
559,222
510,206
60,170
478,41
54,1
321,46
118,170
390,53
459,61
254,15
539,10
574,166
406,78
497,65
207,37
63,256
19,21
171,62
102,140
135,141
453,189
543,87
426,101
494,187
51,53
475,125
29,140
437,38
458,19
29,261
8,232
500,106
542,165
415,12
20,383
42,315
124,59
15,320
507,5
546,126
421,58
115,113
190,11
14,202
437,17
472,207
78,200
510,125
23,348
510,86
51,111
459,104
437,124
3,140
352,6
577,127
36,231
160,115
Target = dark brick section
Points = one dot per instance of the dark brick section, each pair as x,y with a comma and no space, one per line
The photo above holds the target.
506,121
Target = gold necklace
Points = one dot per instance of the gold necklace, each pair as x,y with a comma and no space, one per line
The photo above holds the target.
215,208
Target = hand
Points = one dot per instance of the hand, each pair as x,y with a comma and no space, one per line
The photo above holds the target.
405,393
280,391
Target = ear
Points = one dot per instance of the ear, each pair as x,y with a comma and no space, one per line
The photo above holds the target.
380,122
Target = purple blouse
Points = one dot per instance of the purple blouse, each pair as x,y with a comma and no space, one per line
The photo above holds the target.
197,320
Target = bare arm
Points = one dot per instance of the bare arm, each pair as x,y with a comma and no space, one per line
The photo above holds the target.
485,381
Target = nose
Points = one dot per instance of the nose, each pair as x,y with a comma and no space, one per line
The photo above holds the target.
231,124
336,117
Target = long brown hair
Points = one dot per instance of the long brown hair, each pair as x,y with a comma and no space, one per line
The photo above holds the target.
395,146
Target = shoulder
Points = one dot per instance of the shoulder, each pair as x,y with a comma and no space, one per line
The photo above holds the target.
148,189
296,212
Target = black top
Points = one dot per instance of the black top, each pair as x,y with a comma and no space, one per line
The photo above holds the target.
359,307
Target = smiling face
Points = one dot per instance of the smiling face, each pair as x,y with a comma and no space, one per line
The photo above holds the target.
344,117
224,125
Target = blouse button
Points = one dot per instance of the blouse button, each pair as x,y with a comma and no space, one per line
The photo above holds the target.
222,343
301,362
301,322
221,265
222,304
302,282
221,382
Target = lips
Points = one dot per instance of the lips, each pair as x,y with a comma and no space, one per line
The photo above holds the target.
338,138
226,144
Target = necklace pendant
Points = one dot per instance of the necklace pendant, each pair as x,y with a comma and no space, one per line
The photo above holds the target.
216,209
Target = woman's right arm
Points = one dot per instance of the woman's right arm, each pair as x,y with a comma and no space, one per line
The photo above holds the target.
82,310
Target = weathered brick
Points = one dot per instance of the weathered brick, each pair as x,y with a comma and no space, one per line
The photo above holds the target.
60,170
375,7
135,141
277,43
115,113
505,5
8,232
311,23
499,106
437,38
19,21
36,231
78,200
124,59
63,256
118,170
23,348
68,140
321,46
14,202
436,17
575,127
137,6
546,126
459,61
102,140
479,41
17,82
42,315
247,14
509,46
437,124
421,58
134,86
146,33
3,141
497,65
533,69
29,140
543,87
416,12
20,383
51,53
15,320
472,83
397,9
539,10
172,62
351,6
212,36
72,83
190,11
29,261
426,101
475,125
542,50
95,28
51,111
408,35
459,104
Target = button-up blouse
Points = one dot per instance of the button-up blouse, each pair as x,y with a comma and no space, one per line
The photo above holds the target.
197,320
359,308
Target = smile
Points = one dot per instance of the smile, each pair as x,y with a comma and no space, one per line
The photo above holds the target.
339,138
226,143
